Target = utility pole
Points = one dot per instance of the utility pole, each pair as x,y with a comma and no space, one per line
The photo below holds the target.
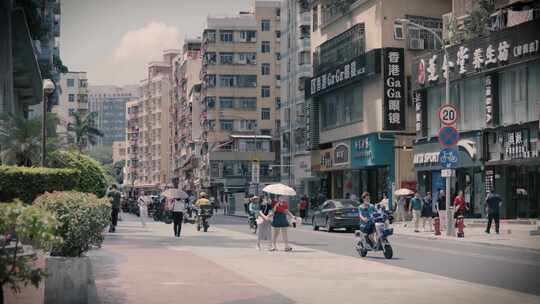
48,89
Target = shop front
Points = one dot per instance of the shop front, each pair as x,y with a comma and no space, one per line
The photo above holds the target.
372,166
513,168
469,171
333,170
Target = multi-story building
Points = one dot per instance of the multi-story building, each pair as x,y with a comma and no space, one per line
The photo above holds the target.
295,69
28,54
494,84
73,98
148,138
361,118
240,88
109,102
119,151
186,114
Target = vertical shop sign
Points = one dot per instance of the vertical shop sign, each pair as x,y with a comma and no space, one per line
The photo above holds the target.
394,91
491,98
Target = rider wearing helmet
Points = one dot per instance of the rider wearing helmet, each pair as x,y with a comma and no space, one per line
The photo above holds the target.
203,200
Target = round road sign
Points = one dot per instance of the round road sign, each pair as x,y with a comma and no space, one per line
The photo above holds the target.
448,114
448,136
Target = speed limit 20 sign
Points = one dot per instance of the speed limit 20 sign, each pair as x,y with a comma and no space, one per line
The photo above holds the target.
448,114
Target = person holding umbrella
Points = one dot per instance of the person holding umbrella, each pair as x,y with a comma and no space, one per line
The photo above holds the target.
280,210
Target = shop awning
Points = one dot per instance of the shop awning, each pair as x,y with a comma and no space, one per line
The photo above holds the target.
27,82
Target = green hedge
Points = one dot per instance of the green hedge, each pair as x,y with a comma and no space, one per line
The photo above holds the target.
82,218
27,183
93,177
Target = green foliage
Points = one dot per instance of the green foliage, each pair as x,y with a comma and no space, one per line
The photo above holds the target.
476,24
20,138
32,226
82,218
57,62
102,154
116,171
83,129
93,177
27,183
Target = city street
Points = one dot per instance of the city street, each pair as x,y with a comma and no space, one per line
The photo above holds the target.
149,265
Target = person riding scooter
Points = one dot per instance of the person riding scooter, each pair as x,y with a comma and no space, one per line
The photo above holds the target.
367,226
253,208
205,211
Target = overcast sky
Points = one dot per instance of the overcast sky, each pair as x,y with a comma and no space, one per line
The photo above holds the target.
113,40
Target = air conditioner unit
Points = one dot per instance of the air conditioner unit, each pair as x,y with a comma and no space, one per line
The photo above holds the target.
416,44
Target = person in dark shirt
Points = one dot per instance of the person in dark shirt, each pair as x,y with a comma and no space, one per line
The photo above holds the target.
115,197
493,206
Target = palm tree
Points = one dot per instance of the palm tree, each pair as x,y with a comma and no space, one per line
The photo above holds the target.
20,138
83,129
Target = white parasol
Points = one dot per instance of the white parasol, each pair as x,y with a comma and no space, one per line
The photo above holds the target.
403,192
279,189
174,193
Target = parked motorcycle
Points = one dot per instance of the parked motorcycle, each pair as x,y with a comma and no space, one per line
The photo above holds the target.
204,213
380,220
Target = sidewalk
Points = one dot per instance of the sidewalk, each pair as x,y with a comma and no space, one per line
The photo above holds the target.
148,265
512,235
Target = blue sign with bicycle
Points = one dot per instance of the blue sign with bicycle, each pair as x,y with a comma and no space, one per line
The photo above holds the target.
448,158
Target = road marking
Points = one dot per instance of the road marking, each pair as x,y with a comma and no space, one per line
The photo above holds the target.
176,283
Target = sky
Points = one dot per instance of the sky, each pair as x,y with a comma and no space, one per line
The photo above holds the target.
113,40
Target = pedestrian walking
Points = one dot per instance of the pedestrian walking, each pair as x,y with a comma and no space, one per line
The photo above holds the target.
401,211
264,219
143,208
178,209
303,208
383,204
441,208
493,206
280,224
427,213
459,205
115,197
415,209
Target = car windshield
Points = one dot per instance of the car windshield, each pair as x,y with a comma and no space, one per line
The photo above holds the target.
347,204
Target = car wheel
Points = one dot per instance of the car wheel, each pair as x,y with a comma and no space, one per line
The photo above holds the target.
315,227
328,227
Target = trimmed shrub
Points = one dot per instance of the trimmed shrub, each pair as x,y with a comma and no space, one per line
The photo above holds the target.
93,177
27,183
82,218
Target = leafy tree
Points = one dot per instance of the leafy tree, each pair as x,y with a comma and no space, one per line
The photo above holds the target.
476,24
33,227
83,129
20,138
102,154
116,171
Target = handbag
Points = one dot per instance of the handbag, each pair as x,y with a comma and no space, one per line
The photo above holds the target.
259,220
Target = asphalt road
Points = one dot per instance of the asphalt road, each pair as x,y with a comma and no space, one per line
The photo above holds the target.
511,268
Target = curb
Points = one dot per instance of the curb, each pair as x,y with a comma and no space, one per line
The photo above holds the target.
535,250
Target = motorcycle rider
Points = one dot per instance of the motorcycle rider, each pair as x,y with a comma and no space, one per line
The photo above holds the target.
366,209
254,206
203,200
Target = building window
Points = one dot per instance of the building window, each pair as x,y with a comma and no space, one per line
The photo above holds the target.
398,31
315,17
265,68
304,57
265,91
226,124
265,47
226,102
248,36
211,124
340,49
227,81
420,39
247,103
266,132
265,25
265,113
248,124
246,81
210,35
71,112
278,12
210,58
226,58
226,36
211,81
71,97
278,103
519,93
342,107
71,83
278,56
278,35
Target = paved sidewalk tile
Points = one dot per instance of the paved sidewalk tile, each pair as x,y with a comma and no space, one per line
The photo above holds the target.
138,265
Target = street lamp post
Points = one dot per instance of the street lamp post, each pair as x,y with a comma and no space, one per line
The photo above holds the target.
450,227
48,89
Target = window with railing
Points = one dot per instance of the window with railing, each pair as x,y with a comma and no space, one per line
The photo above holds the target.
340,49
226,36
226,58
420,39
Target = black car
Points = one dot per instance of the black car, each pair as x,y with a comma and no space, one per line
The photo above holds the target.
337,213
